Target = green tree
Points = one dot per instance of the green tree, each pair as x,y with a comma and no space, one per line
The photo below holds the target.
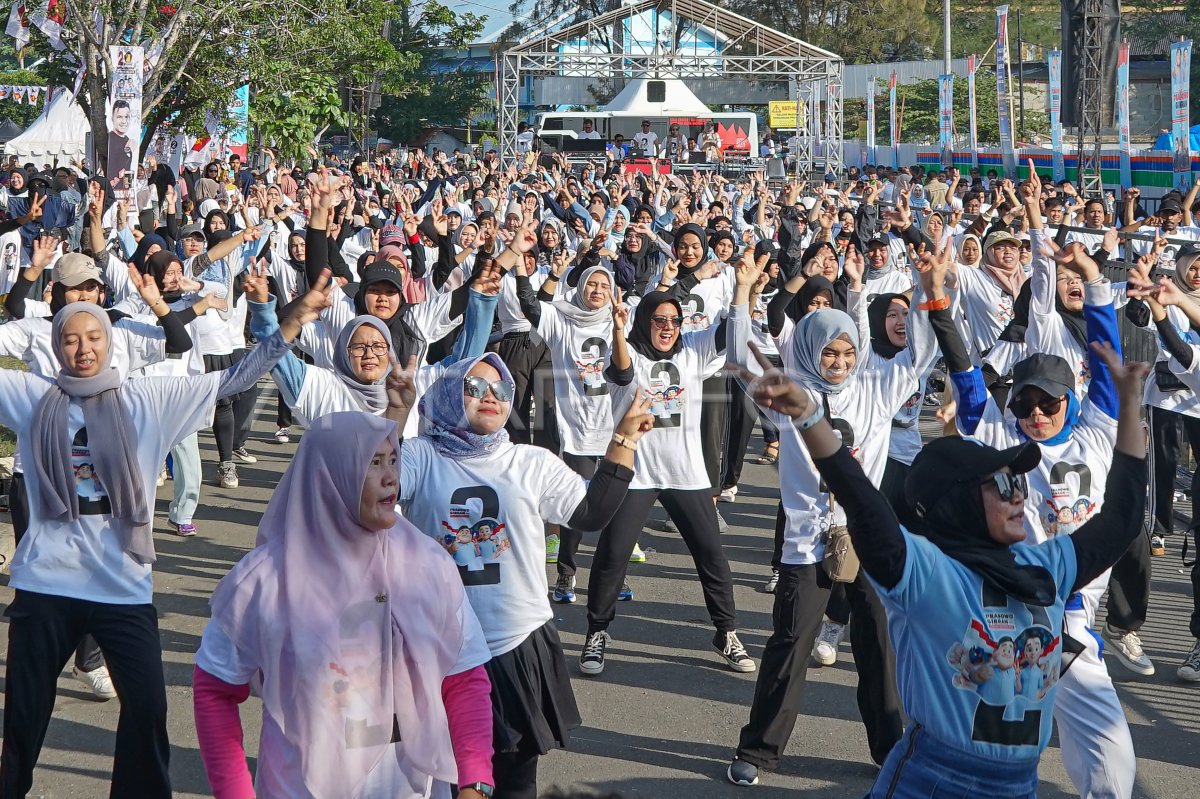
1153,23
432,94
22,113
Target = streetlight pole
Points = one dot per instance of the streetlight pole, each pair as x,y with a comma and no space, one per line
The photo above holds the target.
946,36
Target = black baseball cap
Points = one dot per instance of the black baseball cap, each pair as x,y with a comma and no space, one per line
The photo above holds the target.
767,247
1171,205
953,460
876,241
1050,373
382,272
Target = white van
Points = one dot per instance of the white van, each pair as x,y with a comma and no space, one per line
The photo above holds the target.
738,131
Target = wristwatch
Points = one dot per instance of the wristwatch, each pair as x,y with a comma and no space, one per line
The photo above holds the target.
482,787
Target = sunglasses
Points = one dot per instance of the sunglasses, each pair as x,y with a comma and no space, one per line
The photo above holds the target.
667,322
1023,407
1008,484
477,387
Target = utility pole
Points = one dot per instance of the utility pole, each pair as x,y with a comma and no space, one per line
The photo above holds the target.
946,37
1020,76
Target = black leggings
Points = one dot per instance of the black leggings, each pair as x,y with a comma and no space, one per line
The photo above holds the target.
694,515
800,600
1166,439
714,428
742,415
568,539
233,415
88,656
515,774
528,359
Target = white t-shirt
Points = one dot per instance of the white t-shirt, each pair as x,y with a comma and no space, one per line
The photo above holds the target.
708,302
324,393
84,559
279,764
489,513
588,134
1184,401
12,259
984,306
1047,332
647,142
671,455
581,390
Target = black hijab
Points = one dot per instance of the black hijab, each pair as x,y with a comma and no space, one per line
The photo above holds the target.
158,265
210,235
957,525
877,316
640,336
798,308
697,231
635,270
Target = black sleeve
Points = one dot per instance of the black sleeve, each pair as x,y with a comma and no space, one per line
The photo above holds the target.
777,310
186,316
14,303
337,264
1060,236
9,225
1173,343
605,492
445,262
459,297
528,299
873,527
950,340
316,253
912,235
1105,537
1137,312
416,260
178,340
171,221
721,336
621,377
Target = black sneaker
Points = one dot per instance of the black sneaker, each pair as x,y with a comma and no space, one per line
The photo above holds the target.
591,660
742,773
734,653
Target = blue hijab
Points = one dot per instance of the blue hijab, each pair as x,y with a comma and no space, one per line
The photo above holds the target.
444,409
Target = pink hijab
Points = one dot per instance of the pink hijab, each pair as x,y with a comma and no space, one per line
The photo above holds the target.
414,289
348,628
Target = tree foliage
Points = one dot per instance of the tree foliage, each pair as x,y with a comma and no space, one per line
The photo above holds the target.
21,113
1153,23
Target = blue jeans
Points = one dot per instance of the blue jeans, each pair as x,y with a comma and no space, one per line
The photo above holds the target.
920,767
186,473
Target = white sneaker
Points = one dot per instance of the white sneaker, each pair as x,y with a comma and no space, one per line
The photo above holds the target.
1127,646
98,680
728,494
1189,671
282,436
825,650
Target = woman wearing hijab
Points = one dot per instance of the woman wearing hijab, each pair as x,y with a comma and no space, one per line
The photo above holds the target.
355,630
639,261
1066,487
974,610
669,367
486,499
986,296
824,351
93,443
577,331
363,356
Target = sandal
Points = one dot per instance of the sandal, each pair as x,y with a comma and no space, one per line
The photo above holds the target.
770,455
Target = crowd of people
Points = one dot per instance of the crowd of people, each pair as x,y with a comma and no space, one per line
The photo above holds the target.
488,365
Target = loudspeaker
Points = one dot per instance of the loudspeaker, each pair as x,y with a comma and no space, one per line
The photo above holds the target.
656,91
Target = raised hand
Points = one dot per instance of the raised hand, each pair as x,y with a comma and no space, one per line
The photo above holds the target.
638,420
1129,378
620,311
402,385
43,253
853,267
254,283
525,239
147,289
1075,258
487,282
35,209
670,271
775,390
749,270
319,297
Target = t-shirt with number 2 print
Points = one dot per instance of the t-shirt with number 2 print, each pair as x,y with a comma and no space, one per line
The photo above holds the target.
487,512
580,355
670,455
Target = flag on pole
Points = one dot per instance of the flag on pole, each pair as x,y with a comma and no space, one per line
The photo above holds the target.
946,118
892,121
871,122
1181,67
1004,100
1123,145
18,24
50,19
1056,126
972,66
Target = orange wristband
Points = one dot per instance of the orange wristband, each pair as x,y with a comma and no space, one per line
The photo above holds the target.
934,305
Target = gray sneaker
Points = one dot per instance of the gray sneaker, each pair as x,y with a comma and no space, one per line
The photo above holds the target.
1128,648
227,474
1189,671
591,660
742,773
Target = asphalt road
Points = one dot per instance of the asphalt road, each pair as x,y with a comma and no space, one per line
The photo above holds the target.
663,719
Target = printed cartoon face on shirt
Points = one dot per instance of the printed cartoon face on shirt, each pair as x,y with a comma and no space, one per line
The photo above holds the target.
590,366
667,397
694,316
93,499
1004,310
474,536
1070,504
350,675
1010,659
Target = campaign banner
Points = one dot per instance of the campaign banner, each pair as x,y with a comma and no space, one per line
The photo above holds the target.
18,94
238,136
1181,66
972,67
33,94
124,119
1004,100
1056,126
1123,145
946,118
871,122
892,121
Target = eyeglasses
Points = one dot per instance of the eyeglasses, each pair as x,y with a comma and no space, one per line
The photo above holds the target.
667,322
379,348
477,387
1023,407
1008,484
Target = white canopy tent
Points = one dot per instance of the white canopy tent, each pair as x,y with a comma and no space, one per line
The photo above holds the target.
59,134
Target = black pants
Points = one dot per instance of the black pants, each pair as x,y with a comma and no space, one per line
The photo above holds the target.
796,617
1165,439
87,655
1195,622
42,631
283,414
742,415
837,609
892,487
1129,586
694,515
714,428
568,539
243,409
515,775
777,548
528,359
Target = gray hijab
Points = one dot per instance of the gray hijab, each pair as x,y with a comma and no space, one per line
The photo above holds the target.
371,397
112,441
812,335
575,309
